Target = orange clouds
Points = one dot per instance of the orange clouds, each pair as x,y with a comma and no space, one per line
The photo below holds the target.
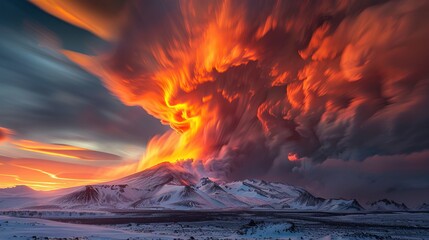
100,16
44,174
48,175
336,79
4,134
63,150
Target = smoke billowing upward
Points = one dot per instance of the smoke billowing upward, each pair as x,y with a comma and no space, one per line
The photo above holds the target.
247,85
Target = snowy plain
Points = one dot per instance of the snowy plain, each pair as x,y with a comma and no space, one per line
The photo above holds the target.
213,225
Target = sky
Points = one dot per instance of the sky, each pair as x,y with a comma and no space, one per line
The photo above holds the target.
47,100
330,96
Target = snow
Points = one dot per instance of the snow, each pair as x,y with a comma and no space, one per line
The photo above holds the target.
387,205
424,207
24,228
167,186
20,190
220,225
262,230
167,202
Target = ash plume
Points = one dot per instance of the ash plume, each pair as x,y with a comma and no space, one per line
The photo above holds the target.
248,85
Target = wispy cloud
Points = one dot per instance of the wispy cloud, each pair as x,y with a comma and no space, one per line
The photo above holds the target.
48,175
64,150
4,134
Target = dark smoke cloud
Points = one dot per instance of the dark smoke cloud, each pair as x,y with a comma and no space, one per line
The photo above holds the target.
401,177
354,84
337,85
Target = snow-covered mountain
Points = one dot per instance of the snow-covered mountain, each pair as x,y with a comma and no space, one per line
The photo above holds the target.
424,207
169,186
387,205
18,196
20,190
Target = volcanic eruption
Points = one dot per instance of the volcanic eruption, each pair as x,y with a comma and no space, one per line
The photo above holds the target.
248,86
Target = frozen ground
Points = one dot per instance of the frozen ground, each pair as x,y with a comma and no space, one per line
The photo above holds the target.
213,225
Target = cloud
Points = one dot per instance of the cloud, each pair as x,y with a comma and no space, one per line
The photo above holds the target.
104,19
401,177
36,100
44,174
244,85
64,150
337,80
4,134
44,96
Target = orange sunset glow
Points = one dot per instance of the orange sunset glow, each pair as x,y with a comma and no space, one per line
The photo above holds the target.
49,175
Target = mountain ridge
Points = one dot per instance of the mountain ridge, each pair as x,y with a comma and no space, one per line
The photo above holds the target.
387,205
173,187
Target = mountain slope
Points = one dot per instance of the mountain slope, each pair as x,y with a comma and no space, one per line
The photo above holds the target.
387,205
424,207
170,186
19,190
157,176
19,196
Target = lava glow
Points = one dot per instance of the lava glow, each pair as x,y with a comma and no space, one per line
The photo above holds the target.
270,80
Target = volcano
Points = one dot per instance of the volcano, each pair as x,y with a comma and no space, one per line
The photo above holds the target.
170,186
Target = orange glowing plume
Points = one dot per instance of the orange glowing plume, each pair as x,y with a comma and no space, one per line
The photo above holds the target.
280,79
215,47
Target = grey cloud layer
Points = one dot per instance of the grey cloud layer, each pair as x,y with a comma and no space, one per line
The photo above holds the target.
43,95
